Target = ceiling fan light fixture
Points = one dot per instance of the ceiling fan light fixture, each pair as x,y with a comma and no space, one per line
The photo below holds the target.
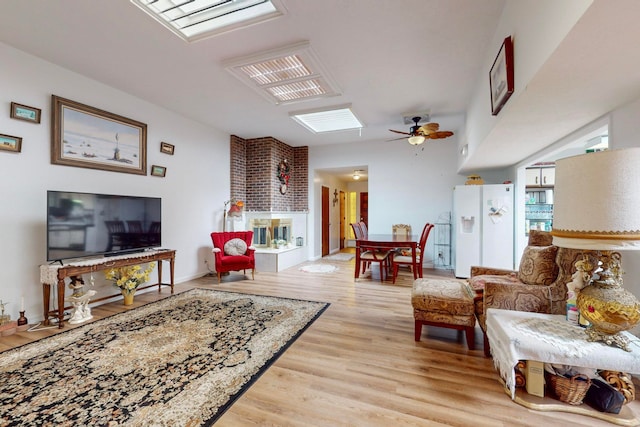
416,139
356,175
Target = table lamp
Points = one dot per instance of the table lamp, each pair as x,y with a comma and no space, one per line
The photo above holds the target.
597,209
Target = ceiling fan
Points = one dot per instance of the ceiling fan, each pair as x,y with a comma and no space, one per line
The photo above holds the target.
418,134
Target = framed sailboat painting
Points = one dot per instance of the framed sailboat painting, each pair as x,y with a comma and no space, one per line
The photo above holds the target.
88,137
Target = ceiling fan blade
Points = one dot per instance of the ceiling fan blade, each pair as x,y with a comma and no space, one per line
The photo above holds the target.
429,128
398,131
439,134
396,139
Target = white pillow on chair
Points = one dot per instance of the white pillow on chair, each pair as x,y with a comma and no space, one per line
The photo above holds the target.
235,247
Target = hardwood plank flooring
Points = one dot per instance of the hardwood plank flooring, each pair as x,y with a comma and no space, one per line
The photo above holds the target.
358,364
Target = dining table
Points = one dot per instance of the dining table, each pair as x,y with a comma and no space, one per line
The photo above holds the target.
387,241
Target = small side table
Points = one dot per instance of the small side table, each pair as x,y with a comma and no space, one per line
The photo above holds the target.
518,335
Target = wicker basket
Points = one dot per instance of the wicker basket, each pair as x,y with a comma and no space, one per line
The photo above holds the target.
569,390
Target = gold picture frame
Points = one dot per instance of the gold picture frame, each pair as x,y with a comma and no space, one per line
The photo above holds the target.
87,137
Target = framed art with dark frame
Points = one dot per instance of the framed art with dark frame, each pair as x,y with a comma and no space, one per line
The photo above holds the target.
88,137
26,113
10,143
501,76
160,171
166,148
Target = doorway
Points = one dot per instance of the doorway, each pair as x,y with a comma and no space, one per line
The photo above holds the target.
325,221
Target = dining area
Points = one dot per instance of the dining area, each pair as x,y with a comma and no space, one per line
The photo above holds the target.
385,254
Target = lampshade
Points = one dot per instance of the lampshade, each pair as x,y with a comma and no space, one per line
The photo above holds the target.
416,140
597,201
236,209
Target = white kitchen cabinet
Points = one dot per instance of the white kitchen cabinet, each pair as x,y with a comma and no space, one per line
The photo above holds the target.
540,177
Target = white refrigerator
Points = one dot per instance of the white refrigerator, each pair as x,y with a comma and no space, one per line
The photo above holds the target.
483,227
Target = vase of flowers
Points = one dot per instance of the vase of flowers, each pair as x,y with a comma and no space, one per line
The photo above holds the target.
128,279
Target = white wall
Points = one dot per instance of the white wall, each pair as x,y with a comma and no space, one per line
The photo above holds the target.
537,28
193,192
624,132
406,184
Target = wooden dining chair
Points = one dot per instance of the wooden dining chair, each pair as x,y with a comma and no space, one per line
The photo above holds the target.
404,258
359,235
364,229
370,253
357,230
401,230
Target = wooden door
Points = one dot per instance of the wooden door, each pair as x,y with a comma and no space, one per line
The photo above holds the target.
364,208
325,221
343,218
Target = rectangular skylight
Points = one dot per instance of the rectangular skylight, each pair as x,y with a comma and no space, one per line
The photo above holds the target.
330,120
284,75
196,19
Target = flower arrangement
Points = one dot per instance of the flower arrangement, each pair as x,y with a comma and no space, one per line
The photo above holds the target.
129,278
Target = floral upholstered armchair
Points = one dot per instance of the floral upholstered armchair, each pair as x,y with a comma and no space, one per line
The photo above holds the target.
540,284
233,252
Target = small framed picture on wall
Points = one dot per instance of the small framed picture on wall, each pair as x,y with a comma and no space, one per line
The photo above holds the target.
160,171
10,143
26,113
166,148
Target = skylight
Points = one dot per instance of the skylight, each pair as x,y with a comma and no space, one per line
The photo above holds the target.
284,75
197,19
328,120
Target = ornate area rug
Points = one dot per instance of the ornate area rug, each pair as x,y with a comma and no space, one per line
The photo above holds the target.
181,361
318,268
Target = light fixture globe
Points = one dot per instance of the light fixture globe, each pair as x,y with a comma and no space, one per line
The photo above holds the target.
416,140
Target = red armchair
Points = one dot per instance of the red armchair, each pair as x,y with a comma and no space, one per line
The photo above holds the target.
233,252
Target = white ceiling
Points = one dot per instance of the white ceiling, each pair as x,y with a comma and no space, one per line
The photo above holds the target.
388,57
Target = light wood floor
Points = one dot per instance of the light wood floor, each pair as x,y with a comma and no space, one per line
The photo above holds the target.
358,364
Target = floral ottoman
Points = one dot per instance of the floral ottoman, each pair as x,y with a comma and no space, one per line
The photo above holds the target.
446,303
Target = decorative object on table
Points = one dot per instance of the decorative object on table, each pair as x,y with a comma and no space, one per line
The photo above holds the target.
10,143
597,200
88,137
284,175
622,382
81,311
182,361
474,180
26,113
167,148
129,278
160,171
235,211
603,397
4,318
501,76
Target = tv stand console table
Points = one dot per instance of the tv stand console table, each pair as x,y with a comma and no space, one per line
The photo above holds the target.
55,275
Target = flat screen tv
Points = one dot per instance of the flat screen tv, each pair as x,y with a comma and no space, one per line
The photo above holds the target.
86,224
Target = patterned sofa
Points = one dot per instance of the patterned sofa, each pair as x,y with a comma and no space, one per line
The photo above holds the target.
538,286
